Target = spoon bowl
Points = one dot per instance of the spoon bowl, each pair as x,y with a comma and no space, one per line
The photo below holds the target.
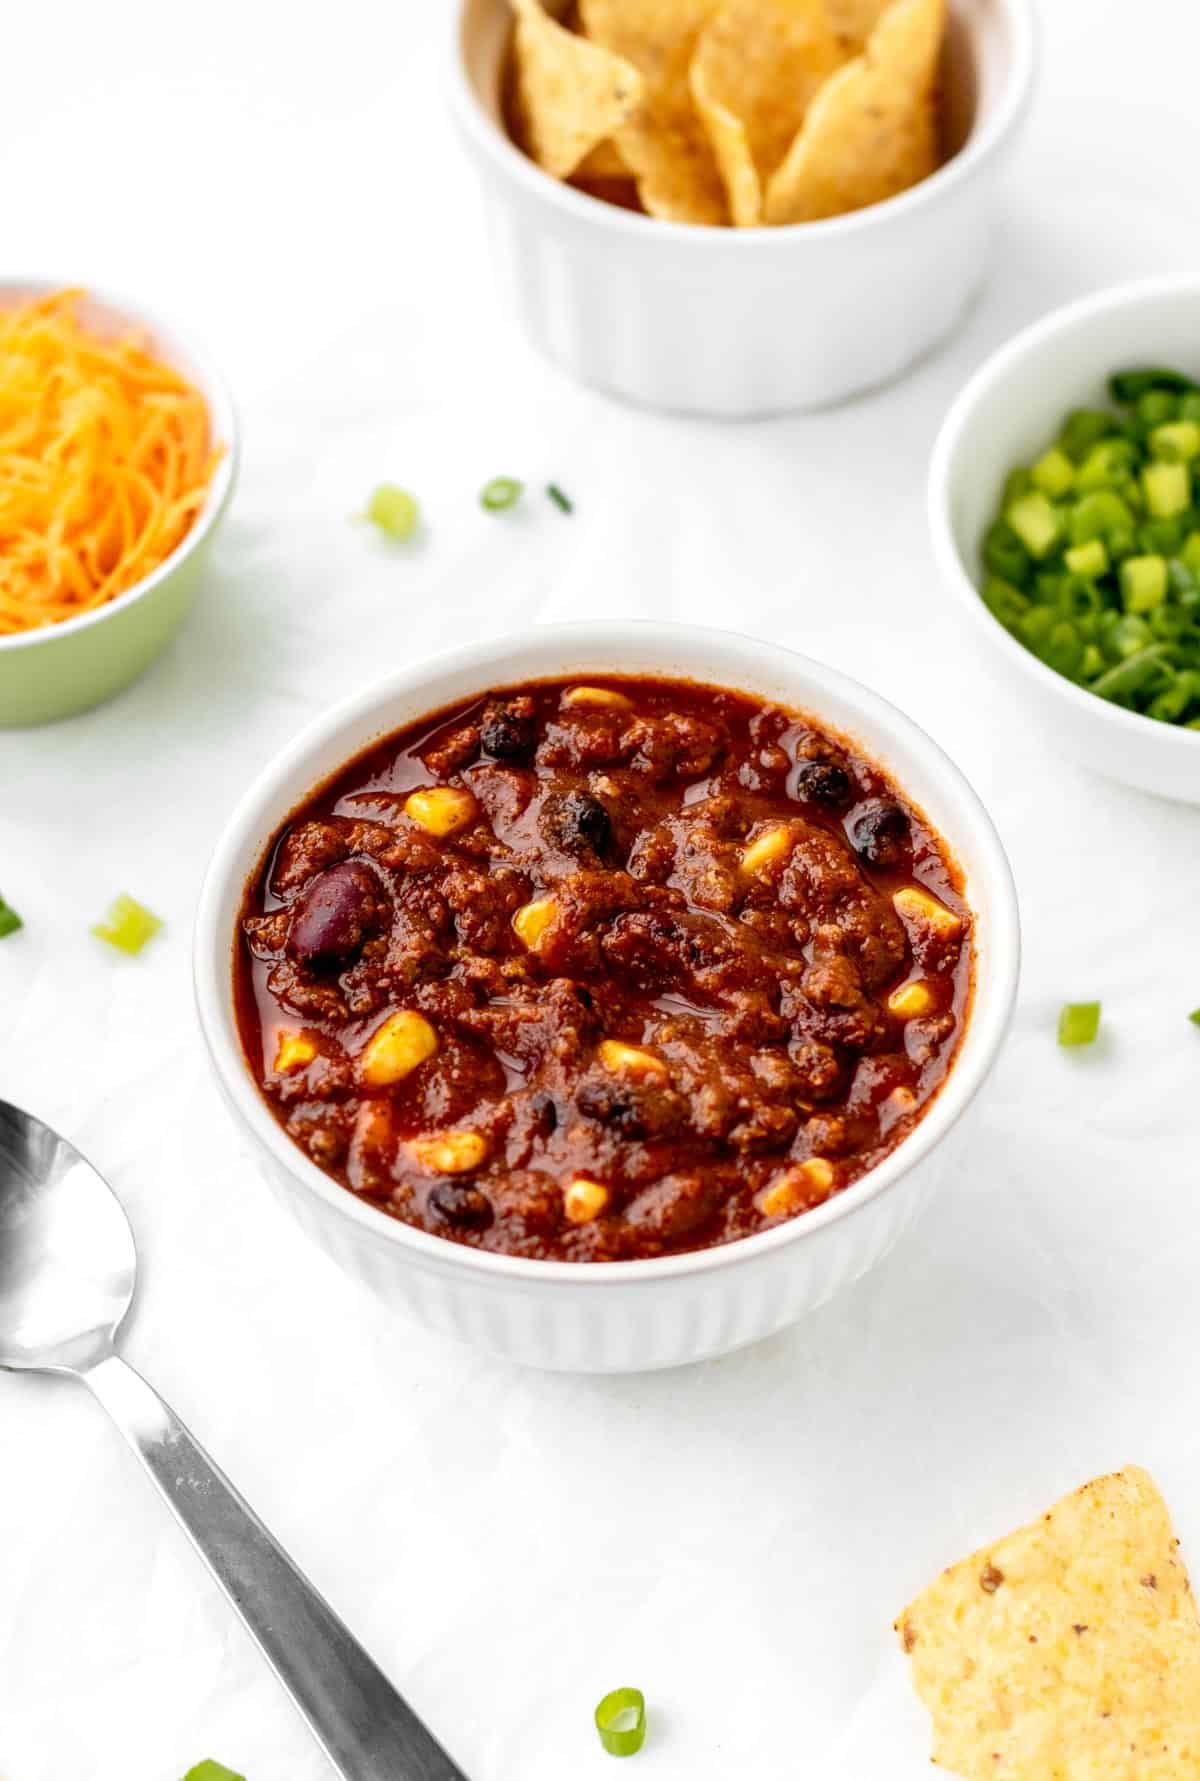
67,1260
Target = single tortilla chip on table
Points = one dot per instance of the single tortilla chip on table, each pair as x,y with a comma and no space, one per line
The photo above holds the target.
570,95
1069,1651
663,142
757,67
871,131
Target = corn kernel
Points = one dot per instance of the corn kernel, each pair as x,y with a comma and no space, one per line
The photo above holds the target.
911,1001
396,1048
294,1052
596,695
797,1187
619,1057
450,1153
440,809
584,1200
773,844
918,909
532,920
902,1099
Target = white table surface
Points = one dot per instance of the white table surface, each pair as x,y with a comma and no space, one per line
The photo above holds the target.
737,1537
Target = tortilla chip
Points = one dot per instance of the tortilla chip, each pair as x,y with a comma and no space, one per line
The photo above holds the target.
757,67
569,94
663,141
621,192
871,131
854,20
604,162
1069,1651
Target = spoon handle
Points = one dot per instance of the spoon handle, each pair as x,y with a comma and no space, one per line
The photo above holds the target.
364,1727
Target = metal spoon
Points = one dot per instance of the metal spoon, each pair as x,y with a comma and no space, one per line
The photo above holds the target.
67,1268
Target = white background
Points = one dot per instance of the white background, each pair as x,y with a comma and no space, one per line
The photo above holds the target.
735,1538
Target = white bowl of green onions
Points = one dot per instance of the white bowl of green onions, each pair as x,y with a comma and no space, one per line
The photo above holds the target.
1064,502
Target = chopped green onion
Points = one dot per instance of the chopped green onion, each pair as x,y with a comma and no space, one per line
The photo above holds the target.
621,1721
1105,464
212,1771
1176,441
10,921
559,499
1079,1023
1143,583
1093,560
1194,1017
1053,473
1084,428
127,926
1090,559
394,511
1036,522
1130,386
1168,488
1155,407
501,493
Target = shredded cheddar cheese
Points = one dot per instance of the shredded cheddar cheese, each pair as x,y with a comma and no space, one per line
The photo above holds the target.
105,461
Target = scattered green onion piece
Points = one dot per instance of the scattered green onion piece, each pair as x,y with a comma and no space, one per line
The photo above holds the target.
10,921
394,511
1079,1023
560,500
127,926
1194,1017
501,493
212,1771
621,1721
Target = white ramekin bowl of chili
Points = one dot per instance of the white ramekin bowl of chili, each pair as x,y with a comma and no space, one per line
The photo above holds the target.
746,322
1009,413
636,1315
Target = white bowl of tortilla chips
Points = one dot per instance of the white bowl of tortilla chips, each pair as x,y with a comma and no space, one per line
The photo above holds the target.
740,207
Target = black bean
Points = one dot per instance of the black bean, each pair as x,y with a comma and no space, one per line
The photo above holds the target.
462,1204
507,736
879,832
576,822
631,1109
337,914
544,1111
822,782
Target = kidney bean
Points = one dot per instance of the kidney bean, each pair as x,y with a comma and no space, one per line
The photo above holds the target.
337,914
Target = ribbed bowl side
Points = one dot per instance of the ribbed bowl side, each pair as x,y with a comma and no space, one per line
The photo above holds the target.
564,1323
